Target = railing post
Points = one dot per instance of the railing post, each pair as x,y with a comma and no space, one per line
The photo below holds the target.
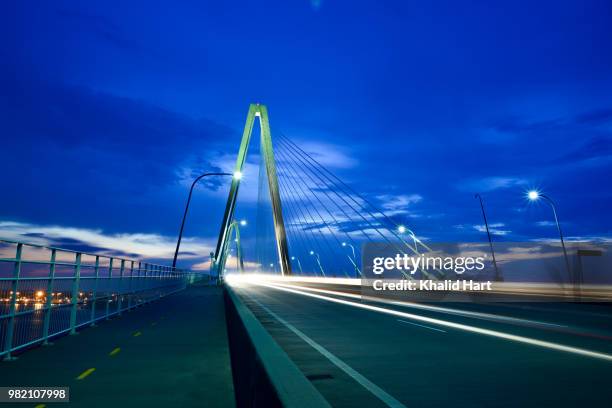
130,293
8,341
94,299
119,294
109,286
150,281
138,281
158,279
75,293
49,299
143,286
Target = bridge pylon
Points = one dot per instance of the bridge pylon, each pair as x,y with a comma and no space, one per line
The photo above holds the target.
255,111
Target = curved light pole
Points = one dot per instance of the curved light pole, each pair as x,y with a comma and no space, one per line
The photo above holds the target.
484,215
401,229
534,195
294,258
237,175
353,259
313,253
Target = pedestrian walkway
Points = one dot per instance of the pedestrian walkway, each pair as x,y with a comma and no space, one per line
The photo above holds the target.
169,353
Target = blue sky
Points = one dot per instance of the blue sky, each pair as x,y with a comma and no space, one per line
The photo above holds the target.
109,109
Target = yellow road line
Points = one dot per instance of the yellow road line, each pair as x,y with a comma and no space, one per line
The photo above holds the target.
115,351
137,334
40,406
85,373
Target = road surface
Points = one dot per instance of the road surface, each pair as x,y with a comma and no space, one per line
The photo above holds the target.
463,355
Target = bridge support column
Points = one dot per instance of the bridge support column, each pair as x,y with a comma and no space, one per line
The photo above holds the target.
261,112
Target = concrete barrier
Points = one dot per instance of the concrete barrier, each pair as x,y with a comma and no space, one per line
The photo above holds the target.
263,374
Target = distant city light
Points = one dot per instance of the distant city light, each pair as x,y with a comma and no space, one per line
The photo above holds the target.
533,195
293,258
40,293
243,222
344,244
311,252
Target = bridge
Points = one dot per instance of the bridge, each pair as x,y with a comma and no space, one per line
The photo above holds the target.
282,317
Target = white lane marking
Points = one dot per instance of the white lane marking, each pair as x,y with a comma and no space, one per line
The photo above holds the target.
459,312
367,384
421,325
459,326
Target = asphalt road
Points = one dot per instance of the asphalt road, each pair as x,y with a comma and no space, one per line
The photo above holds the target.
464,355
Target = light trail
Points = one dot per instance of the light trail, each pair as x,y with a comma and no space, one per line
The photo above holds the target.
465,313
445,323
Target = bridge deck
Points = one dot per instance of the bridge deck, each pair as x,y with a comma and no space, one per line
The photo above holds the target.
173,352
352,354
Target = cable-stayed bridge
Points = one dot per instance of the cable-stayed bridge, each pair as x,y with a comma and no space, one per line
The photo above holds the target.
281,319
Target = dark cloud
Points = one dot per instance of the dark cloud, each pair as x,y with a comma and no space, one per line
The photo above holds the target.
95,152
595,117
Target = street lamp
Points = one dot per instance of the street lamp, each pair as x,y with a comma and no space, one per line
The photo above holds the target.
313,253
535,195
234,225
236,175
484,215
353,259
402,230
293,258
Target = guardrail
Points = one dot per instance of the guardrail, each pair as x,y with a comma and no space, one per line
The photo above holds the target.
264,375
46,291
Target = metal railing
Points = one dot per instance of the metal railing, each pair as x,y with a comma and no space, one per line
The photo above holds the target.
46,291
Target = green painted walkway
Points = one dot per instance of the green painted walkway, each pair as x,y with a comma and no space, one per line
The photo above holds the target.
169,353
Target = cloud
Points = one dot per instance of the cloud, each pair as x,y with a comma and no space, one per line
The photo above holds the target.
488,184
596,117
138,245
398,204
249,183
95,158
545,224
593,150
494,229
329,155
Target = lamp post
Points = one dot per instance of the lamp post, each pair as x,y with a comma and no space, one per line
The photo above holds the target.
535,195
484,215
313,253
401,229
237,175
293,258
242,223
353,259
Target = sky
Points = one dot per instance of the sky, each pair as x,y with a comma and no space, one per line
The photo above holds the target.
110,109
